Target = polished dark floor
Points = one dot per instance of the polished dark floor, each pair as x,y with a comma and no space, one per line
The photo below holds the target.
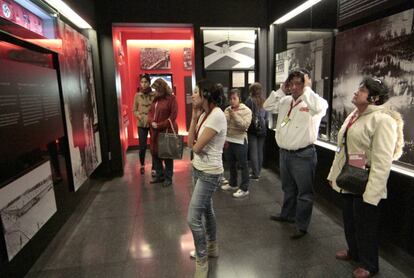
128,228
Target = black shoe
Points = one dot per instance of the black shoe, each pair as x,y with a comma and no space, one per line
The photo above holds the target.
167,183
142,170
157,180
253,177
279,218
298,234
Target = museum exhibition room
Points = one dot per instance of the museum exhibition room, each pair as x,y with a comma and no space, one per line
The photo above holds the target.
233,138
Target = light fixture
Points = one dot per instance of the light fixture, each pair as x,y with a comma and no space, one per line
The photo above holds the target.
70,14
296,11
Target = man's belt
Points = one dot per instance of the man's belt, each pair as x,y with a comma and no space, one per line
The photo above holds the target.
299,150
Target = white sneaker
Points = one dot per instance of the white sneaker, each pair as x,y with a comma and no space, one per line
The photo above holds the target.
240,193
224,181
227,187
192,254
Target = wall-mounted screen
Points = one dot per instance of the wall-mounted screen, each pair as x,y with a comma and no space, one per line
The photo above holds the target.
383,49
167,77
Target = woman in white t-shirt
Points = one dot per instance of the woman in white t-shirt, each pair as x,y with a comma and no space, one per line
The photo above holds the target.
206,137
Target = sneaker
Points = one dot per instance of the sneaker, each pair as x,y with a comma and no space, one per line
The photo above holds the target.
227,187
224,181
153,173
240,193
253,177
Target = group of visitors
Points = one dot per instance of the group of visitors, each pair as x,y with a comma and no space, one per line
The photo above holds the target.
370,138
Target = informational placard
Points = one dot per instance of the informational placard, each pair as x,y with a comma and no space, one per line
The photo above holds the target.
15,13
351,10
30,114
238,79
26,205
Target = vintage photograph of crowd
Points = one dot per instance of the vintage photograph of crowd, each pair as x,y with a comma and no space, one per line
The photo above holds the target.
155,58
383,49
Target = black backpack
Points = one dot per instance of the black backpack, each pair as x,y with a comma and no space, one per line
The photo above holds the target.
258,124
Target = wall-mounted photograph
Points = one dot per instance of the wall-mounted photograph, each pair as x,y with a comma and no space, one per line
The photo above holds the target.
229,49
26,205
383,49
80,104
155,58
188,61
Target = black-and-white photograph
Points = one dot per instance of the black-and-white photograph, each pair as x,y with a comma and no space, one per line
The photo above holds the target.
229,49
155,58
80,104
382,49
187,57
26,205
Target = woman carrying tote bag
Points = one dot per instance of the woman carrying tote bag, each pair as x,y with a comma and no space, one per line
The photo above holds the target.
161,118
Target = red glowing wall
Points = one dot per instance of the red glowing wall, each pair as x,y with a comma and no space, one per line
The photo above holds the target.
127,43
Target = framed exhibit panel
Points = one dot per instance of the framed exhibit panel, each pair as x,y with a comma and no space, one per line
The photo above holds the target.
26,205
316,58
385,50
155,58
230,49
188,58
78,89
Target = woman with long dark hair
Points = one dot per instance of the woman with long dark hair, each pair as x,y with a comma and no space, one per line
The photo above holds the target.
206,137
256,133
142,104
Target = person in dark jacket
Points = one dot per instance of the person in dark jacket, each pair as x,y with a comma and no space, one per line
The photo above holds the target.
162,118
256,133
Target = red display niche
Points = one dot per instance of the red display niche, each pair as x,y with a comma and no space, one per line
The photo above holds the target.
127,44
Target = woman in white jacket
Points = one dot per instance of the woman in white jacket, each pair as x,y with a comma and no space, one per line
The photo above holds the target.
374,138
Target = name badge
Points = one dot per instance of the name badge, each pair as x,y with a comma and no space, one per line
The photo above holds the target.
285,121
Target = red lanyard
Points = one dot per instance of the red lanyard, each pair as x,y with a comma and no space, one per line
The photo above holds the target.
293,106
352,120
199,127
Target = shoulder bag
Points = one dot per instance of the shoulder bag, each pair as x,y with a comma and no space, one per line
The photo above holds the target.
170,145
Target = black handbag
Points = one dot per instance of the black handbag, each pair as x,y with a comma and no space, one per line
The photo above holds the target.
352,179
170,145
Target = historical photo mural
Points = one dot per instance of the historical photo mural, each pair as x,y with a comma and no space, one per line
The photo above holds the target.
80,103
155,58
26,205
385,50
229,49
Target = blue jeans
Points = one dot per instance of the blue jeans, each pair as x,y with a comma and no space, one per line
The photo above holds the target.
237,155
201,206
256,144
159,168
297,171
